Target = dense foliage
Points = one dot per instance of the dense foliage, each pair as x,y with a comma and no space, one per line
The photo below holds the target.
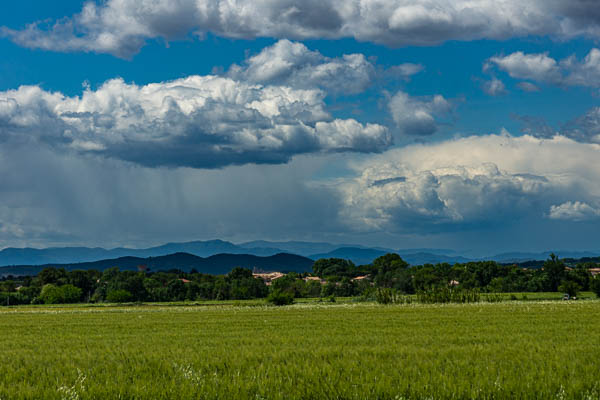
332,277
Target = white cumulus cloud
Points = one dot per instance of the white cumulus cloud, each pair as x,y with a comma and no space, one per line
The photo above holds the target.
198,121
293,64
541,67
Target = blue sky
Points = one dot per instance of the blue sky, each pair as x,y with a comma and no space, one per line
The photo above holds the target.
429,123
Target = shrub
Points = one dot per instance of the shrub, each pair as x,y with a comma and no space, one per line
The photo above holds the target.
119,296
279,298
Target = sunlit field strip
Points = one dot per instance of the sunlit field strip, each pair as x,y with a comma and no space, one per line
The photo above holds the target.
518,349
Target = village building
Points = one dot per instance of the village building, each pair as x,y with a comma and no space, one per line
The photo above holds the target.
360,278
268,277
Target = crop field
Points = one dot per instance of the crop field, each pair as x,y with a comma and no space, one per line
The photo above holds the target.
508,350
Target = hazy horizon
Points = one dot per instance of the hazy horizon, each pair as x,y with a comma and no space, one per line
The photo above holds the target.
336,245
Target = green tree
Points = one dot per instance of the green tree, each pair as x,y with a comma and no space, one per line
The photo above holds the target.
334,267
70,293
243,285
554,269
569,287
328,289
206,291
52,294
389,262
176,290
581,274
239,273
84,280
389,269
289,283
52,275
345,288
30,292
193,290
221,289
134,284
426,277
595,285
8,286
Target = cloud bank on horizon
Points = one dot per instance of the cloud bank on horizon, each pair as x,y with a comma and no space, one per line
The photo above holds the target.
473,181
353,123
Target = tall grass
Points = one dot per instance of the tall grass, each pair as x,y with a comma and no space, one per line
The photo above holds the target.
448,295
526,350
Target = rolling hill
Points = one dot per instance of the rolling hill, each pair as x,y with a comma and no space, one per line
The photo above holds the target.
70,255
217,264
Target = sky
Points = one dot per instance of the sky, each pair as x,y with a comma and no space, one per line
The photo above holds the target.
468,124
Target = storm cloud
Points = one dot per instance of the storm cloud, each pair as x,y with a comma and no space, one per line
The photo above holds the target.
51,198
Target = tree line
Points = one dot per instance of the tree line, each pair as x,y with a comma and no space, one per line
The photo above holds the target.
339,278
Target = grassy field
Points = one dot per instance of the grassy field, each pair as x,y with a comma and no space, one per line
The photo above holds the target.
531,349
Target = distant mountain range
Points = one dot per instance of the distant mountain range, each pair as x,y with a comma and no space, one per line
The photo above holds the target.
517,257
218,264
260,248
571,262
66,255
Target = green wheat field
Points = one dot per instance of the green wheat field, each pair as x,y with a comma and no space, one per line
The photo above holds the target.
518,349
